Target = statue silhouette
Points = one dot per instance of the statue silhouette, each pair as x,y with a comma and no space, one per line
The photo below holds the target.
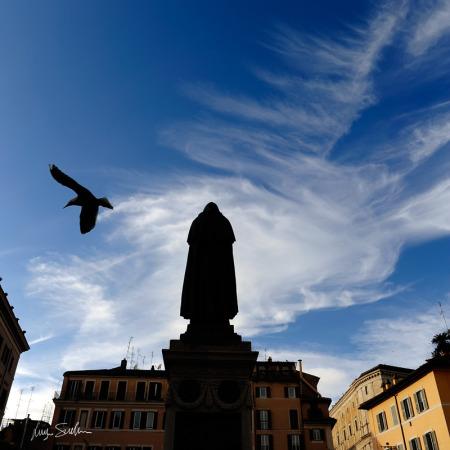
209,288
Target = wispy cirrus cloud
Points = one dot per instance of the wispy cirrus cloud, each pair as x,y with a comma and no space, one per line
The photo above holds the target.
431,25
312,232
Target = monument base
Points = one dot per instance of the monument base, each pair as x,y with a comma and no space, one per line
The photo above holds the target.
209,403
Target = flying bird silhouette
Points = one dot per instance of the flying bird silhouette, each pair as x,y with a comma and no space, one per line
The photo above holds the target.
88,202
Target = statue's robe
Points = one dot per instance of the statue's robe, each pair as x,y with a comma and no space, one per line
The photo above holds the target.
209,288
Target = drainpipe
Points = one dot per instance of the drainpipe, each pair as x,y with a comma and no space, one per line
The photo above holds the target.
302,425
400,421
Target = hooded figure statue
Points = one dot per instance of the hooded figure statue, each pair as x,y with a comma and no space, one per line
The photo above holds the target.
209,288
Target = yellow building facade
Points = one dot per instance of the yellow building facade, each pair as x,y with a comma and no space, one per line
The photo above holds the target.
352,430
413,414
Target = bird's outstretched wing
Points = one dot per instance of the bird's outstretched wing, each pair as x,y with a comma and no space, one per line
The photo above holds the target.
88,217
65,180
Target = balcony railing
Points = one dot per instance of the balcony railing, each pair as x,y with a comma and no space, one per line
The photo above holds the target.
109,396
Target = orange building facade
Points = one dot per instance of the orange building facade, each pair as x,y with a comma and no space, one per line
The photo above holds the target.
124,409
413,414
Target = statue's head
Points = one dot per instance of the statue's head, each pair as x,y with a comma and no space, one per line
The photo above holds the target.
211,207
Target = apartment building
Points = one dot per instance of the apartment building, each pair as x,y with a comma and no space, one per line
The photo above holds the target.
352,430
124,409
12,344
414,413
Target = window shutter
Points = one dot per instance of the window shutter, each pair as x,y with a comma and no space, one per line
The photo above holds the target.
403,409
105,416
270,441
158,390
111,418
94,415
410,407
155,420
269,417
297,392
122,418
258,442
322,434
286,394
164,421
425,401
416,401
269,394
311,437
289,442
257,392
131,420
257,420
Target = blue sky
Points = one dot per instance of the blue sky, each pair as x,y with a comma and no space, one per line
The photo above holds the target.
321,130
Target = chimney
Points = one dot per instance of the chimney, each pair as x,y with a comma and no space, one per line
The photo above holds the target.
300,366
123,364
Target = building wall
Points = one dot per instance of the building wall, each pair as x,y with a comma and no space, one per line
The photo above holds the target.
352,429
12,344
285,391
434,418
124,437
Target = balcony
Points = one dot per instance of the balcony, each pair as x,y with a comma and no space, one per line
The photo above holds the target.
107,397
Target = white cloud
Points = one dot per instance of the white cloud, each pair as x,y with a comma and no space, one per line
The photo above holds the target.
311,232
432,25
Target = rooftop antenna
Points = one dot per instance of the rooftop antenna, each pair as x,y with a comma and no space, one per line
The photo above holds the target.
151,362
143,362
128,349
18,403
443,315
265,354
132,356
138,357
29,400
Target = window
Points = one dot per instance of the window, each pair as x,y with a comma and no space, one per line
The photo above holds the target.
83,418
121,390
381,421
293,419
407,408
140,390
394,415
421,401
73,389
104,389
414,444
89,390
136,419
291,391
67,416
316,434
98,419
265,442
264,419
154,391
262,392
294,442
117,419
430,441
150,422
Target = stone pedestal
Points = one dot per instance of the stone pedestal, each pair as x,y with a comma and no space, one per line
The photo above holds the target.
209,404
